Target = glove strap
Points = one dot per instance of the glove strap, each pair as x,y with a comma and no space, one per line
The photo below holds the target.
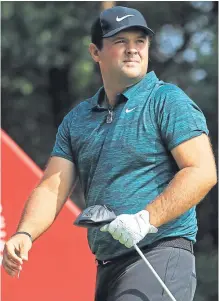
146,216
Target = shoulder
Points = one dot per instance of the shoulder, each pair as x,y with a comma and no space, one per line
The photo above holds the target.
84,106
169,91
78,111
169,95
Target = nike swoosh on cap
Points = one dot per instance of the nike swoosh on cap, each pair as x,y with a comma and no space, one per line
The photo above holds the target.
122,18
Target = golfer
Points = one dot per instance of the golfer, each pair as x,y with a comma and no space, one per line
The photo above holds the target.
140,146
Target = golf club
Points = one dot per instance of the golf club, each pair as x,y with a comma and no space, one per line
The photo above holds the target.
100,215
154,272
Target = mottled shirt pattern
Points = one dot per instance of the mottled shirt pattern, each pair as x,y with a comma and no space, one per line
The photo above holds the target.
126,164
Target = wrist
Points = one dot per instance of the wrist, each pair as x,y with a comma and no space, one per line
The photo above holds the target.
145,215
25,233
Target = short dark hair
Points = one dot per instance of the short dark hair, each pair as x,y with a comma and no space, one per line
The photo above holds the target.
97,34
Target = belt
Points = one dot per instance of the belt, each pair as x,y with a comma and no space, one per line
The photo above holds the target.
174,242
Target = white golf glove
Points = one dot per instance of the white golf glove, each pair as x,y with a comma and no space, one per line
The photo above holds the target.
129,229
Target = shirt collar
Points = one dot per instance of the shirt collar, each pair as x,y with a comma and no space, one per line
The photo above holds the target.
148,81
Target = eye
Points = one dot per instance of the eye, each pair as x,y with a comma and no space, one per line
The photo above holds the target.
140,41
120,41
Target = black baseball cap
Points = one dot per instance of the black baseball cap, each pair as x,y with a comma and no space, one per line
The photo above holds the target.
118,18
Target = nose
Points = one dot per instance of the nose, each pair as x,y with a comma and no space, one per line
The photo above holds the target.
131,49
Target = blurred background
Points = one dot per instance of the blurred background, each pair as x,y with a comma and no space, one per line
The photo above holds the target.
47,70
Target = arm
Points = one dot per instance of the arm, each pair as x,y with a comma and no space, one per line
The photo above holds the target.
178,120
196,177
40,211
48,198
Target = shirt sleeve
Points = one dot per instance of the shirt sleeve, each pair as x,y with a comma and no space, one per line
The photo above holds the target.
179,118
63,147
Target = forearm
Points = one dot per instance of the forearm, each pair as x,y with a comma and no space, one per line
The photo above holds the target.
39,212
188,187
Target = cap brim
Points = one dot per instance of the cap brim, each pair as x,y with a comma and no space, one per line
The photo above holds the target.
115,31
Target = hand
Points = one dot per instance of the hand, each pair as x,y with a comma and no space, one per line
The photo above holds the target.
15,251
129,229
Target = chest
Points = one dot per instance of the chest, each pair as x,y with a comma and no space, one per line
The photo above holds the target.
132,136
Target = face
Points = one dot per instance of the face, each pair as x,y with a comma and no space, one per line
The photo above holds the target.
124,57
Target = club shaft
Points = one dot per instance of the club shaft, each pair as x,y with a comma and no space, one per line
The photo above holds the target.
154,272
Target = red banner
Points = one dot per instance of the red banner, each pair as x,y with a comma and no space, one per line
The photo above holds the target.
60,265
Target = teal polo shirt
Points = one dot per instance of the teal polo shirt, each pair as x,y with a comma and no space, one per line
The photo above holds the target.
127,163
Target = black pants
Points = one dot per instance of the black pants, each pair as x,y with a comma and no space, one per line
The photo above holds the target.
129,278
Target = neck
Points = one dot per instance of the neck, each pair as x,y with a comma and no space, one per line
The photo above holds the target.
112,90
112,94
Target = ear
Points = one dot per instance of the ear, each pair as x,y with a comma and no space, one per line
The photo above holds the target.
94,52
149,41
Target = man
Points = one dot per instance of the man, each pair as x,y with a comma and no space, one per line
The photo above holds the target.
140,146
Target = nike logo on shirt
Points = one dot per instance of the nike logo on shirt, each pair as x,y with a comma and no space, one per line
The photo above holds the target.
122,18
130,110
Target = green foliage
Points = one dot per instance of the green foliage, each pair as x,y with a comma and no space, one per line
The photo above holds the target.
207,282
47,69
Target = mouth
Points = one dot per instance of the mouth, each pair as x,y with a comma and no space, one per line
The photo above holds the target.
130,61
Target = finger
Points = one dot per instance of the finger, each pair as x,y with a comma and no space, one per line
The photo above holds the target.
24,249
117,234
112,227
18,274
129,243
6,257
104,228
12,265
10,253
11,271
124,238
